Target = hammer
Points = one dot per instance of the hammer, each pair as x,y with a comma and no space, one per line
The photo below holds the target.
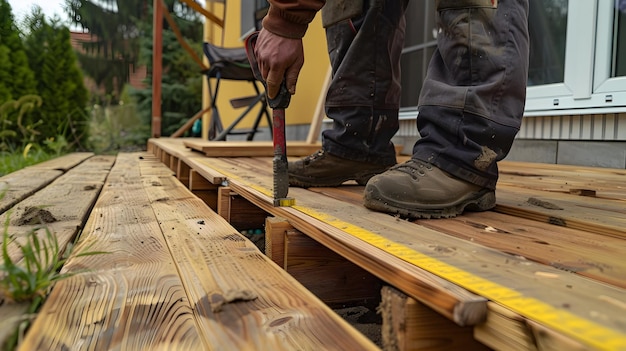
278,104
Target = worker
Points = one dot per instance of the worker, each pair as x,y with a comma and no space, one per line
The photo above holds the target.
470,106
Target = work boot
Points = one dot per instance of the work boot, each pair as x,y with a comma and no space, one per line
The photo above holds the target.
417,189
323,169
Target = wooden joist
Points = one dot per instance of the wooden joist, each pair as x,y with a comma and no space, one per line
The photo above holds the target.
177,276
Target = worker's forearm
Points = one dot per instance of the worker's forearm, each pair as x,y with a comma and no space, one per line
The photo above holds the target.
291,18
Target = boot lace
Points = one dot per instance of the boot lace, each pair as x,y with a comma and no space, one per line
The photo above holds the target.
414,168
308,159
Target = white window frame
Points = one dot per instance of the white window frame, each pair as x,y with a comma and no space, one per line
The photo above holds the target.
603,82
587,87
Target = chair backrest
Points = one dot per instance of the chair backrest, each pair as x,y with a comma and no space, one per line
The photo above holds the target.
230,63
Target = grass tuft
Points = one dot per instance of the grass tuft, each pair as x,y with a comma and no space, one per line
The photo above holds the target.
42,258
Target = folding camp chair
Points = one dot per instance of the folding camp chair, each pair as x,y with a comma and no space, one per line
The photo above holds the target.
232,64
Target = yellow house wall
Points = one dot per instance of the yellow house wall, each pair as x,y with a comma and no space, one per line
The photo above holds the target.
310,82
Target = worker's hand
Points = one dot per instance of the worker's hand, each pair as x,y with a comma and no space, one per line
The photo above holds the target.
279,58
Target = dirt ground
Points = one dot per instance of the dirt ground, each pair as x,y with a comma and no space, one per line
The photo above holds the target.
366,321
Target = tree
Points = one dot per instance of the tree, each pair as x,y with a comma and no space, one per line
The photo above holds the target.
59,80
181,82
17,78
122,38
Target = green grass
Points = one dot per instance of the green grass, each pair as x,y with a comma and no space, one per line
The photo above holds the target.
13,161
38,269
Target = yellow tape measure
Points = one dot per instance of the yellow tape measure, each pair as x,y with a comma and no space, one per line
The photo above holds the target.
587,332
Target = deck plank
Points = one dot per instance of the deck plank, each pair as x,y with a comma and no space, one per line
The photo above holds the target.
600,182
596,215
22,183
249,148
79,186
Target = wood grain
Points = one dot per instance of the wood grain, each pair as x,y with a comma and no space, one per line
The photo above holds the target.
409,325
20,184
596,215
545,240
250,148
177,276
589,254
80,186
450,300
241,299
129,298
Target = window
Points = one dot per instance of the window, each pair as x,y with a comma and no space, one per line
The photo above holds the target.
589,38
619,40
252,12
577,55
547,46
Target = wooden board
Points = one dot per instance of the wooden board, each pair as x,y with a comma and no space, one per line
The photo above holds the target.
455,303
177,277
596,215
588,181
249,148
79,186
25,182
589,254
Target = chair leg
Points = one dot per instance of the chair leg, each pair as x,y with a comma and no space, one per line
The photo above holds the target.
257,121
225,132
215,125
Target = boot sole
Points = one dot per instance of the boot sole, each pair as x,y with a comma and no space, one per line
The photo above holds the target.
482,201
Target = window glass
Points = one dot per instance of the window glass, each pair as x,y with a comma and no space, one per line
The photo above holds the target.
619,41
547,24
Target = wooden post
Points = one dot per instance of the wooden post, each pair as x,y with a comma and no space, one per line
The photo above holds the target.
410,325
238,211
182,172
223,202
275,230
203,189
157,69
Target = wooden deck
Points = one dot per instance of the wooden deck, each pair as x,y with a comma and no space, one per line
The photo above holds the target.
545,270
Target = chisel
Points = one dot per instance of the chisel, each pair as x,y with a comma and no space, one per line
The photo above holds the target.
278,105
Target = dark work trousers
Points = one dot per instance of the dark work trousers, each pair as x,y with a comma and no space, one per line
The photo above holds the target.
472,101
364,95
